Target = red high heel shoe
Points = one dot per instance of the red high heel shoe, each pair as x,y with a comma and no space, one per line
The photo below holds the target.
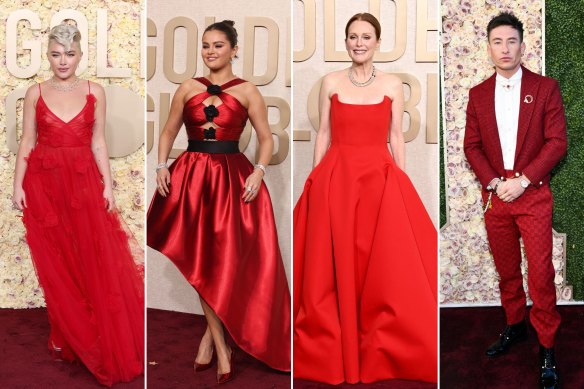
222,378
204,366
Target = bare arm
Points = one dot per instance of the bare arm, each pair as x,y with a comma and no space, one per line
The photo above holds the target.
169,134
396,135
27,143
258,116
323,137
99,146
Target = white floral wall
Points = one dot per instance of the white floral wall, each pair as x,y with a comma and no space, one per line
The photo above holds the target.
467,271
18,283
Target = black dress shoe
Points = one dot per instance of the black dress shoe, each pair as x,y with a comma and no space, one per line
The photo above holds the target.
548,377
512,334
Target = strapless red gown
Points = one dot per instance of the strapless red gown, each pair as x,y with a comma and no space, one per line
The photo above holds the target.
226,249
92,287
365,261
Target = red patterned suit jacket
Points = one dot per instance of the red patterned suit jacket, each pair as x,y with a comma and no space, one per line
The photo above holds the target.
541,133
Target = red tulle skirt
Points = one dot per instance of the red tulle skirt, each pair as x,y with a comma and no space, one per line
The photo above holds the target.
92,286
227,250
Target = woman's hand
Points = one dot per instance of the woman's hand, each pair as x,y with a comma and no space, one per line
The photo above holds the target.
252,185
163,182
108,196
18,198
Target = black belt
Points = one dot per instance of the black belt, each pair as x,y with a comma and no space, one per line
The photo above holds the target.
214,147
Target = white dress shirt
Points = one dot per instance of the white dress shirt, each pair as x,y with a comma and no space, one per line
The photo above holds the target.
507,101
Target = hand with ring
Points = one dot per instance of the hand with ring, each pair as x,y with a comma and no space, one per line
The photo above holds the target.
18,199
252,185
163,182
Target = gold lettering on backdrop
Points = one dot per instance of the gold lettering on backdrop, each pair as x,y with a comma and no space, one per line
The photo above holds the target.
152,32
191,49
251,23
410,105
124,133
101,56
278,129
149,124
33,46
309,46
331,54
288,75
423,25
432,109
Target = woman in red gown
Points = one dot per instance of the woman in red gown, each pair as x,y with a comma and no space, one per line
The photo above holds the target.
365,249
93,290
212,215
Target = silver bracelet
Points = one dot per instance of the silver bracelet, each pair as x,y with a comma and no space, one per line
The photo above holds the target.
261,167
162,165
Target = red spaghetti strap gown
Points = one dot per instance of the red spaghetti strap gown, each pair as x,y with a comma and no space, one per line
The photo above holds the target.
92,287
365,261
225,248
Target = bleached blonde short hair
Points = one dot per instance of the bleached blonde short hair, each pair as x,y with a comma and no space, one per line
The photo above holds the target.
65,35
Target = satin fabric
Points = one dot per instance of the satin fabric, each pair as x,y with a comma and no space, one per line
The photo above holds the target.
225,248
92,287
365,261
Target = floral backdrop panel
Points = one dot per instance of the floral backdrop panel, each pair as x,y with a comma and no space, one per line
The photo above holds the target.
121,35
467,271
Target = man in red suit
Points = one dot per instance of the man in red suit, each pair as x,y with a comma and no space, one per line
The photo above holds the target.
515,135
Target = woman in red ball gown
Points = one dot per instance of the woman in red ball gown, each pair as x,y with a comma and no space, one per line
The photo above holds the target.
365,249
212,215
92,287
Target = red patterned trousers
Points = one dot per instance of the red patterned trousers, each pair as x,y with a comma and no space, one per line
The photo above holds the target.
528,217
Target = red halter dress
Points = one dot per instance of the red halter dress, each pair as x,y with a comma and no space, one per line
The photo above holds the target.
226,249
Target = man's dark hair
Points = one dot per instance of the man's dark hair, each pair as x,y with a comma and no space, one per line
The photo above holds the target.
505,19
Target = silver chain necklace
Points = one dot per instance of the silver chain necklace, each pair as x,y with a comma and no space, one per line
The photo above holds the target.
361,84
64,87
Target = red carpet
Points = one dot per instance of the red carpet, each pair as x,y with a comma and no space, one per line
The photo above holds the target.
465,333
173,339
388,384
25,361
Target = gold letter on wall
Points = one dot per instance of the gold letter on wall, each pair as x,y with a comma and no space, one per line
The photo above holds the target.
33,45
423,25
191,49
101,58
272,50
309,32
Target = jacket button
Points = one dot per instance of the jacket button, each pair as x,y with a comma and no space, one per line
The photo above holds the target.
516,174
541,183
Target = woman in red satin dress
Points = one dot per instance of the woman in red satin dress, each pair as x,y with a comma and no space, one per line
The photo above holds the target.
93,290
212,215
365,249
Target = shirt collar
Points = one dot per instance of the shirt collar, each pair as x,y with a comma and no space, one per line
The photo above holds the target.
514,78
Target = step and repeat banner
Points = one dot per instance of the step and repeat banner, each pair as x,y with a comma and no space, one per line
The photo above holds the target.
174,30
111,43
409,42
467,271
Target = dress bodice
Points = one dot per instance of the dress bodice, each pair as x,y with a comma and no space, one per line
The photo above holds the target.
360,124
53,131
228,118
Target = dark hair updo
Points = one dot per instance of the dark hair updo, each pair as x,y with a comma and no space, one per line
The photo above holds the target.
226,27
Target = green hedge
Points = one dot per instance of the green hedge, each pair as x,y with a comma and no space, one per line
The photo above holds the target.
564,61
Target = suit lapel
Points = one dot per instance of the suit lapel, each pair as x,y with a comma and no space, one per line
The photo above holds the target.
529,88
493,130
